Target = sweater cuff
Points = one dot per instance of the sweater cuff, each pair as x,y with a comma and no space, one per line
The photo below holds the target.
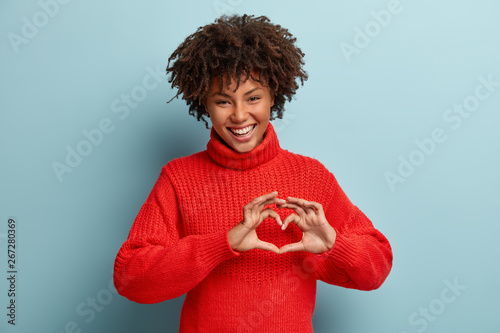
217,248
343,252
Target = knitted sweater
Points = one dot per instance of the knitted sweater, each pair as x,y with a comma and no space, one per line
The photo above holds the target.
178,242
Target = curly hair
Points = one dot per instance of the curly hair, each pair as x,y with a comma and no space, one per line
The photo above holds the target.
233,46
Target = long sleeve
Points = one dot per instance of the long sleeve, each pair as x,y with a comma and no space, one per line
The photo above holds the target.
361,257
156,262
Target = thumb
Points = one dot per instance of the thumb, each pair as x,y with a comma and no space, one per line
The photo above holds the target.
299,246
267,246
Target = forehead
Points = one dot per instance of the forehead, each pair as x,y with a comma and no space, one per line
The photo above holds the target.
244,81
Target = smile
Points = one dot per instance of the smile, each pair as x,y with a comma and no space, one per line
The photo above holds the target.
242,132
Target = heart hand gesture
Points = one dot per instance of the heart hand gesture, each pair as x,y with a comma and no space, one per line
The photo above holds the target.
318,235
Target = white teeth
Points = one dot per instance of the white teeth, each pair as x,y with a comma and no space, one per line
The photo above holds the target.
242,131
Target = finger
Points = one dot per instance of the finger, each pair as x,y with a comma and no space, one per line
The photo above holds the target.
308,206
259,202
317,207
266,199
299,246
269,213
271,201
290,218
297,201
298,209
267,246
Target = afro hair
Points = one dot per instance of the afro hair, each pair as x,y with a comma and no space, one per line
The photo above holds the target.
234,47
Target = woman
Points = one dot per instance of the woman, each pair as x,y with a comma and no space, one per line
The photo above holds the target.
216,225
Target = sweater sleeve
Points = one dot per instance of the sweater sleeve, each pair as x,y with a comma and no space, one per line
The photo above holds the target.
361,257
156,263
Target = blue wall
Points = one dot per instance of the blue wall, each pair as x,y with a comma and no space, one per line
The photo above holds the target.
402,105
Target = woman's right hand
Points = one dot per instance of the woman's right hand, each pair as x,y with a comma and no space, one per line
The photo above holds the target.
243,237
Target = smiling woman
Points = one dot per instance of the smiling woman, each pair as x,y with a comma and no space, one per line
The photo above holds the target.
240,253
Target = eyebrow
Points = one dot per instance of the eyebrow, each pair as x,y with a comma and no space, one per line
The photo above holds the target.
245,94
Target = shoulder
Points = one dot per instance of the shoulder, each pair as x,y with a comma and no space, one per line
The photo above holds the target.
307,169
303,162
313,180
186,164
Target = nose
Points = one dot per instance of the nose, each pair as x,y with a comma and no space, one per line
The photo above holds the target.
239,114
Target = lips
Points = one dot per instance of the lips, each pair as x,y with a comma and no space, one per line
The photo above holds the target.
242,132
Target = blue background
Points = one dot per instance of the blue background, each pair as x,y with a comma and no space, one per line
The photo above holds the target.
360,114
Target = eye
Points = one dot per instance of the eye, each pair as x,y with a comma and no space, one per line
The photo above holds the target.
221,102
254,98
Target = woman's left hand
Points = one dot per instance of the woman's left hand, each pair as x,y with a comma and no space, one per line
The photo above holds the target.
318,235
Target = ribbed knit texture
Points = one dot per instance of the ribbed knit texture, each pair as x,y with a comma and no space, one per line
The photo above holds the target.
178,242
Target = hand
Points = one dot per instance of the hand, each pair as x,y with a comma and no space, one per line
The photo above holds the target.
243,237
318,235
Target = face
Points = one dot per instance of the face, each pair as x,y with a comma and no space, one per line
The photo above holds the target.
240,118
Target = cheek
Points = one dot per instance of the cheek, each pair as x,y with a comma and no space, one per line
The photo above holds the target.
265,113
218,120
215,117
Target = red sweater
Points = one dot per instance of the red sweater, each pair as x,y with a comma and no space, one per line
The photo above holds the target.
178,242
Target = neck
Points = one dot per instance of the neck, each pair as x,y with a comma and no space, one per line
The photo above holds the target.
225,156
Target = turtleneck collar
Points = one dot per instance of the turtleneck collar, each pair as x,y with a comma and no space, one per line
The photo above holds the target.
227,157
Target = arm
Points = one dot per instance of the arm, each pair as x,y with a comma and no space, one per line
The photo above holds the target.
349,251
156,263
361,257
